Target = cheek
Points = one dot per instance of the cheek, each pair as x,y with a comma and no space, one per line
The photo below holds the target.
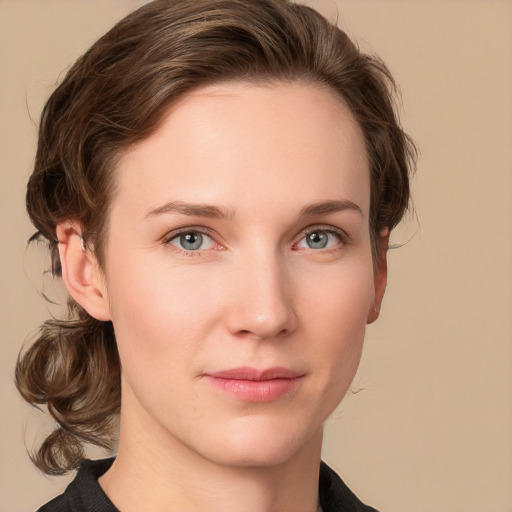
159,314
164,314
334,314
340,296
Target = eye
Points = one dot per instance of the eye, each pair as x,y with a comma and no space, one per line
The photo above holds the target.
320,239
192,241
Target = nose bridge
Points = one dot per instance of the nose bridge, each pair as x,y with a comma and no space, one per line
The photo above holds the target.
262,296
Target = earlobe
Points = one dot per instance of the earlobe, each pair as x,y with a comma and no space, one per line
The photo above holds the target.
380,276
81,272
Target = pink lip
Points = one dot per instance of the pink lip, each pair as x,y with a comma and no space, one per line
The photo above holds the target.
253,385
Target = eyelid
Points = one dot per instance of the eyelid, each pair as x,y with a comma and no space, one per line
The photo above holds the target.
341,233
204,231
190,229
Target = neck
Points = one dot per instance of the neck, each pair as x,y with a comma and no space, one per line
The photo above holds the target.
157,472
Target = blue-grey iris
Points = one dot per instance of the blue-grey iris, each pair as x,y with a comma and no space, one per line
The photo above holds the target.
317,239
191,241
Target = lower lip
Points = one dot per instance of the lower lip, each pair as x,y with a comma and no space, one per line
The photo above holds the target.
255,390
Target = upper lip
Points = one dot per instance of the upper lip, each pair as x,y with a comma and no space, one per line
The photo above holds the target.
254,374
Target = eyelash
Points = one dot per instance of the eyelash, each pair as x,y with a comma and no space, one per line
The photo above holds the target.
343,239
191,230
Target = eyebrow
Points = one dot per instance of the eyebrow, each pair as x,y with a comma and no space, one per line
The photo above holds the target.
328,207
196,210
214,212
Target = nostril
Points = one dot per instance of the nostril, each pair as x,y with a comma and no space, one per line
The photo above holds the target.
262,335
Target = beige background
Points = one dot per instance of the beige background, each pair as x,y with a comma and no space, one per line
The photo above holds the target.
431,428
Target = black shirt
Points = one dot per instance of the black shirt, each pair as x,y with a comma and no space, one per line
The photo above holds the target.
84,493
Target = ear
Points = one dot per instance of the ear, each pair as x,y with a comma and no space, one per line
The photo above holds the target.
81,272
380,275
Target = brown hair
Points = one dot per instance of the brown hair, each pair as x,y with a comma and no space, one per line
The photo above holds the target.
115,95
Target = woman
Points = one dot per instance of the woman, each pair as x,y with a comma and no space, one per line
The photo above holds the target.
217,180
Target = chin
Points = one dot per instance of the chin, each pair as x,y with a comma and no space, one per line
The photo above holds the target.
252,459
257,446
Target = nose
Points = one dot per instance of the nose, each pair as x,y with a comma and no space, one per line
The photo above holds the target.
261,299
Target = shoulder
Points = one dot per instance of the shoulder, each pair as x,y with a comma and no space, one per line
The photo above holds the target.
58,504
84,493
335,496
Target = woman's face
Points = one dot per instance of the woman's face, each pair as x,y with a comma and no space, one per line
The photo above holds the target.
239,273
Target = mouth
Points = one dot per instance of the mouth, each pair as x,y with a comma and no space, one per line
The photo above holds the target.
254,385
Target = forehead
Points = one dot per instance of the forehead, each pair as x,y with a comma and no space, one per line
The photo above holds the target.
252,145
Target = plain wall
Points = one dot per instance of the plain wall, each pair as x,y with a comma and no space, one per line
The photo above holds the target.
428,426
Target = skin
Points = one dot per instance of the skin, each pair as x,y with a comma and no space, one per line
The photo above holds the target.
255,294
